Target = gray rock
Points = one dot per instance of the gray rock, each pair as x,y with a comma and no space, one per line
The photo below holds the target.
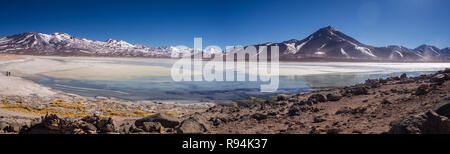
294,110
125,129
438,78
422,89
431,122
358,91
282,97
343,110
90,127
443,109
403,76
35,122
166,120
259,116
151,127
316,98
195,124
206,124
334,97
318,119
3,125
426,123
108,128
190,126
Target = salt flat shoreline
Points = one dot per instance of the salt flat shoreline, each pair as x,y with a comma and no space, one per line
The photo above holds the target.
34,98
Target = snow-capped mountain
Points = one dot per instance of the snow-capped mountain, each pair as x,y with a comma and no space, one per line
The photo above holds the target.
329,43
446,52
64,44
428,50
326,43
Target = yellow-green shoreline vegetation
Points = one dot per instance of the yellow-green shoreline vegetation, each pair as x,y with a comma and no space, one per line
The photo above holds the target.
75,108
114,113
21,106
61,103
246,102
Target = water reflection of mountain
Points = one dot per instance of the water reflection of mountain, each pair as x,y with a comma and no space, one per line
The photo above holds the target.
328,80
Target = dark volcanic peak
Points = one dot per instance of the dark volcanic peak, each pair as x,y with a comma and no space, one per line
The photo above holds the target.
329,43
328,29
291,41
428,50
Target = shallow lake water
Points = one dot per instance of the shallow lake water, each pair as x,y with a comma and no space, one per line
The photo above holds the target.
294,77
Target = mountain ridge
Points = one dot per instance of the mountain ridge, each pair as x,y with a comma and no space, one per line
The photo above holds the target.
325,43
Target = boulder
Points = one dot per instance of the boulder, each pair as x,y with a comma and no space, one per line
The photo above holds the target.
431,122
343,110
373,83
3,125
316,98
358,110
195,124
151,127
89,128
51,124
294,110
282,97
426,123
334,97
403,76
166,120
346,110
318,119
106,125
422,89
190,126
259,116
443,109
357,91
103,125
438,78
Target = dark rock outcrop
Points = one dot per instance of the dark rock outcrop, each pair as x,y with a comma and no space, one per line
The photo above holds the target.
431,122
334,97
295,110
259,116
360,90
166,120
422,89
52,124
196,124
316,98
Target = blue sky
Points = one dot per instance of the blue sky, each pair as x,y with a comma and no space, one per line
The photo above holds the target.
232,22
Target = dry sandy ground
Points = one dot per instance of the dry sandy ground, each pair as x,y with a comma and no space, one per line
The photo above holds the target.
10,56
385,103
17,86
81,69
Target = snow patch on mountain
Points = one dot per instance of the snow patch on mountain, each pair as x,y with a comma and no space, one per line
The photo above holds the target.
344,53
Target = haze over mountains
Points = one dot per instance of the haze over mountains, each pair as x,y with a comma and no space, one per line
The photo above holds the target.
327,43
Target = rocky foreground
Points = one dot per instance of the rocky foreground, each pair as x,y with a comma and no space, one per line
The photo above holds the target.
394,105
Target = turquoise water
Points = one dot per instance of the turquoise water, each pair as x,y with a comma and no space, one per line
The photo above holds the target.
163,88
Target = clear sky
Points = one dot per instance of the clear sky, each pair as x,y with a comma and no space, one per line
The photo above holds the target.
232,22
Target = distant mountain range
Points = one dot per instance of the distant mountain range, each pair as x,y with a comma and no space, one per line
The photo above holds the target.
325,44
329,43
